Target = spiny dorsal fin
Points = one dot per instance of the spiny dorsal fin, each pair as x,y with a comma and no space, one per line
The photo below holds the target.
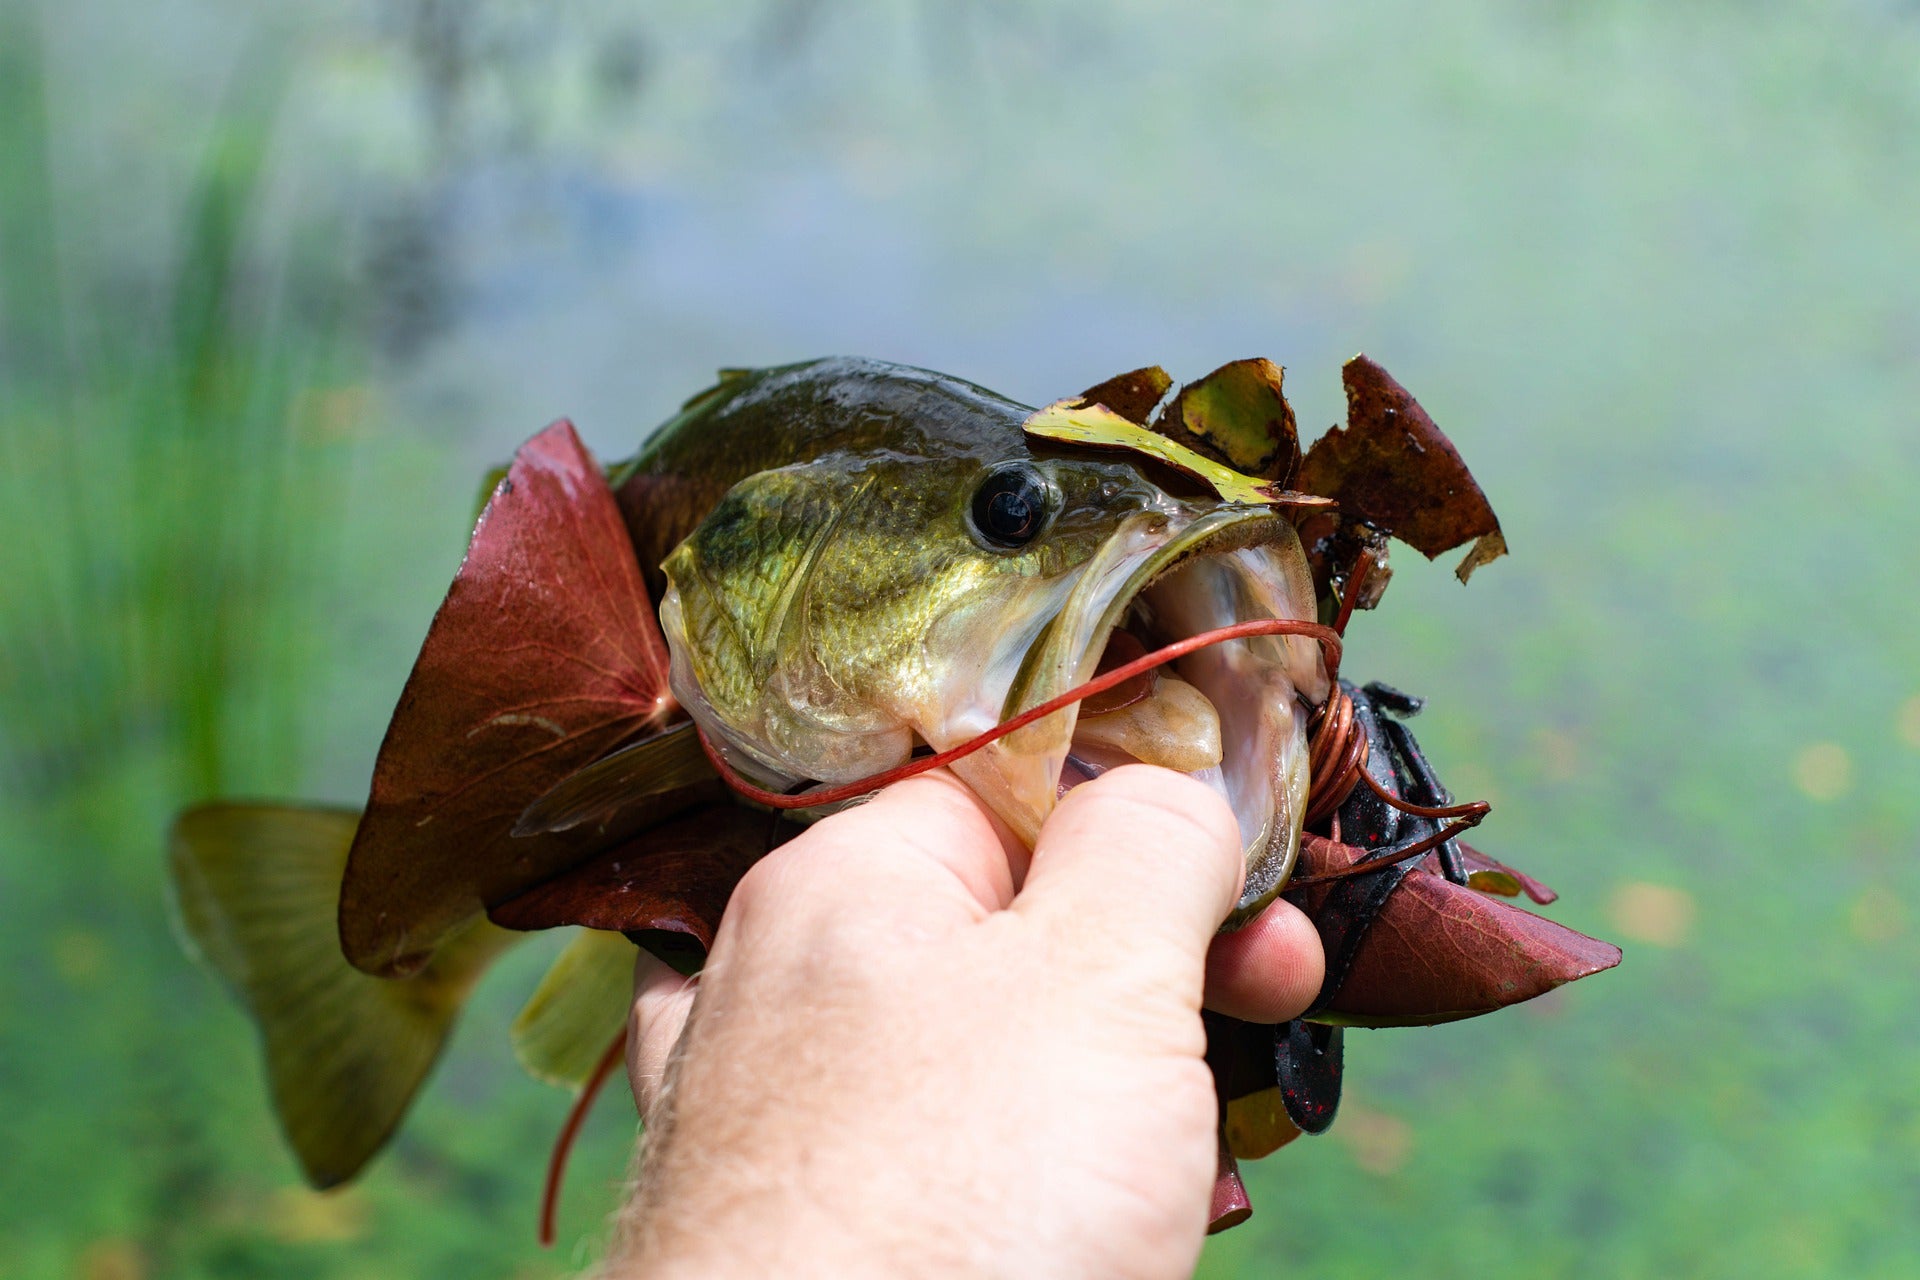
666,761
258,891
579,1006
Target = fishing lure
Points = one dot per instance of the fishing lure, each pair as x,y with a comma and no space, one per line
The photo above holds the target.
821,578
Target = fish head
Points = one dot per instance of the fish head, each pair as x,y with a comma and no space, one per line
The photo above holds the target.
829,618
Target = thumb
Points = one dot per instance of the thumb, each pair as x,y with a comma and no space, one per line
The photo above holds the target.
1139,853
662,999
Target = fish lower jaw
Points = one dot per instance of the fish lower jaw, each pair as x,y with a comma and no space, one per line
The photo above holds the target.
1269,848
1227,716
1088,761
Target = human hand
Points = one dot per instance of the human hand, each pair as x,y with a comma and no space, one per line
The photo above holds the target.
917,1049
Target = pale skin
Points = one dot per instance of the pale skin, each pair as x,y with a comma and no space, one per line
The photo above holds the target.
918,1048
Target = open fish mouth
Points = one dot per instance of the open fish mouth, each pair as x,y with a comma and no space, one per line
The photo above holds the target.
1232,715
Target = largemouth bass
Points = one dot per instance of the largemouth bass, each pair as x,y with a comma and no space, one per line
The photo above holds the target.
891,562
858,568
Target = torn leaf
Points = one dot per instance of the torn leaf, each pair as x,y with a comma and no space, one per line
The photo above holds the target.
1391,467
1094,426
1134,396
1237,415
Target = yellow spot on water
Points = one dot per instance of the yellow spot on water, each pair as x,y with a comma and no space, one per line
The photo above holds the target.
1381,1144
1907,719
111,1260
1798,1244
1824,771
80,957
1734,1103
1652,913
299,1216
1877,915
1559,755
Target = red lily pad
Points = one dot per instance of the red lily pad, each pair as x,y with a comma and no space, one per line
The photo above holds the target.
545,655
1394,469
676,877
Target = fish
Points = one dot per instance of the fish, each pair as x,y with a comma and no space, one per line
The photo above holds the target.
900,564
813,579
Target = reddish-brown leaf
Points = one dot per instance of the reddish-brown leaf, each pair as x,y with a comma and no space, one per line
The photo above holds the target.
1131,395
1253,1114
1391,467
1240,1055
660,511
675,877
1237,415
545,655
1230,1207
1440,951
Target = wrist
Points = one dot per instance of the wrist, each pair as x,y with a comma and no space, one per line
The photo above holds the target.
714,1231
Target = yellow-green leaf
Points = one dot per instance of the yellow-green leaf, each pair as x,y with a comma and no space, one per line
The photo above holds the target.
1094,426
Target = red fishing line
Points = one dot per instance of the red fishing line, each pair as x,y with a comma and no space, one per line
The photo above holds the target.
563,1146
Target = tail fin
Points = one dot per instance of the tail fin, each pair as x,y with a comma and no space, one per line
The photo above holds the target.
258,891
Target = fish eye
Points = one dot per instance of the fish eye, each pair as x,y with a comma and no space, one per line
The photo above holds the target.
1010,506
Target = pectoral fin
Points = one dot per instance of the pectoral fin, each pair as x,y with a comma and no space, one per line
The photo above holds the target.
258,891
577,1009
596,795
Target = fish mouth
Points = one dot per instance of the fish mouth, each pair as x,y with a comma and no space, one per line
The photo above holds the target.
1232,715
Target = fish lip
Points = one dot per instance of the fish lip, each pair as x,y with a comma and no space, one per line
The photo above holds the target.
1068,650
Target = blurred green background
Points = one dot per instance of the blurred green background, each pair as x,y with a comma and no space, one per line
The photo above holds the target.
277,283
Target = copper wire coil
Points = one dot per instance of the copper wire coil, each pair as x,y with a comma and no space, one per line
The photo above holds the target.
1337,750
